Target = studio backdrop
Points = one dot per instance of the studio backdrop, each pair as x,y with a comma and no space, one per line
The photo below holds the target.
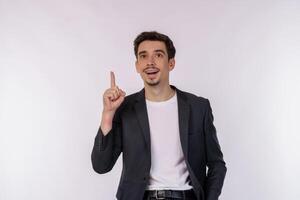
55,59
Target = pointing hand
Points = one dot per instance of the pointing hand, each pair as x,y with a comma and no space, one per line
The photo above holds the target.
112,97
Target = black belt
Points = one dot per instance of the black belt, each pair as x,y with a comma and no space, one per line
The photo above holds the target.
177,194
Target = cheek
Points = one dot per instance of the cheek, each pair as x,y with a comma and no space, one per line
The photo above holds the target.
138,68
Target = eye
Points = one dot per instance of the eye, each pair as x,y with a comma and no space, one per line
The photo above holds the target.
159,55
142,56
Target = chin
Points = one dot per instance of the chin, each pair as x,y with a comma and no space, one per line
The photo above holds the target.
152,83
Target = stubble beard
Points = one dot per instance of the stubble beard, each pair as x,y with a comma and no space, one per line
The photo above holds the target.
152,83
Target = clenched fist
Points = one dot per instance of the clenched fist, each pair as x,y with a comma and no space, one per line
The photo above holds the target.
112,99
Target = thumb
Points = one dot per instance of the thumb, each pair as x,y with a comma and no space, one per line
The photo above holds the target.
122,92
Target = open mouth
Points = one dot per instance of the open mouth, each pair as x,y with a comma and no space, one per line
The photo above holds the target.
152,74
151,71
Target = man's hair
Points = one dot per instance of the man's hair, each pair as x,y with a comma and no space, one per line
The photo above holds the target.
155,36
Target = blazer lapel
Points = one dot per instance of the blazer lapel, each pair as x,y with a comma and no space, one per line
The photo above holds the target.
183,118
142,116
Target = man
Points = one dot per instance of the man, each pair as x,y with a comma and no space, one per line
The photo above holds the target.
166,135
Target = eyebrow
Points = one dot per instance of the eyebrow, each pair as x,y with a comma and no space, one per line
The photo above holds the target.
157,50
142,52
161,51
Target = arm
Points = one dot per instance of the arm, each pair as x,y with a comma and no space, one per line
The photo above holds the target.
215,163
108,142
107,147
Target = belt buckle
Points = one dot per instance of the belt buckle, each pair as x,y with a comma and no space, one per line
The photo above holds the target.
162,192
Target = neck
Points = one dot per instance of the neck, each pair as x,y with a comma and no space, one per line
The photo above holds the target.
159,93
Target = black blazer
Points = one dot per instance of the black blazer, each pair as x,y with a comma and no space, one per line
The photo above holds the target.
131,135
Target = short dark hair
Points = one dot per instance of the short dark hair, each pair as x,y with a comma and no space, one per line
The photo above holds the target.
155,36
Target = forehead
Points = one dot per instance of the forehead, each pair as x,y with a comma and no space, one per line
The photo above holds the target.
150,46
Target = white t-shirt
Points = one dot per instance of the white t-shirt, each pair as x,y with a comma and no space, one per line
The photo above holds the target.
168,167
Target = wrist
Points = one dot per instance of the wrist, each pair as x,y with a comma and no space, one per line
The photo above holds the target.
107,115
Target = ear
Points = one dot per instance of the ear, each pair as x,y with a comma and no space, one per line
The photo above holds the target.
171,64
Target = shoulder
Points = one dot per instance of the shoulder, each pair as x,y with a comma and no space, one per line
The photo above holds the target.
194,99
198,104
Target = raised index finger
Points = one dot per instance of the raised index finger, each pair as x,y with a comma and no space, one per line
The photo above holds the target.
112,79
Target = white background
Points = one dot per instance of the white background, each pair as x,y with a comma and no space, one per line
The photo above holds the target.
55,58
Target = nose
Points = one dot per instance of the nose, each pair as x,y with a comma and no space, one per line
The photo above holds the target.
150,60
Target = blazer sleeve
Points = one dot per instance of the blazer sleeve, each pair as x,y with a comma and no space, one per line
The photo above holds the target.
215,162
107,148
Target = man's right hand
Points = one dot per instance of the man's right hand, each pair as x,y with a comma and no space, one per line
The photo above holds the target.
112,99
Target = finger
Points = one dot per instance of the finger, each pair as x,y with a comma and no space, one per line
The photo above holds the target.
112,79
111,95
114,95
118,91
122,92
115,92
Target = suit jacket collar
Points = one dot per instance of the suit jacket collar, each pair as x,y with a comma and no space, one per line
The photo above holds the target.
183,117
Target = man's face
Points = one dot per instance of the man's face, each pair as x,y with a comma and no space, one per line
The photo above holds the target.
152,62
